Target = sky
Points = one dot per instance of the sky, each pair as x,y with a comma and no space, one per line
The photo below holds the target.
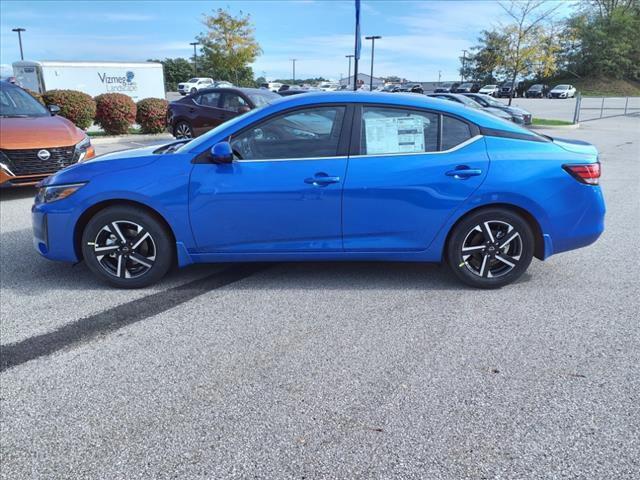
420,38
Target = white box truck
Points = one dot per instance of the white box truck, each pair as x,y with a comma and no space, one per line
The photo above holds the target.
138,80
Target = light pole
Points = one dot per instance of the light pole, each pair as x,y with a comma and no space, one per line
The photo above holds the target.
464,62
373,39
349,75
195,59
293,61
19,30
439,76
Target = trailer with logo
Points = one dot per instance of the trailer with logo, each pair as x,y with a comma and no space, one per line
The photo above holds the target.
136,79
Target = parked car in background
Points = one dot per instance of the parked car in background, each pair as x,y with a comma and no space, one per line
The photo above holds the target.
467,87
539,90
468,102
34,141
194,84
293,91
446,88
415,88
490,90
507,87
328,86
518,115
200,112
272,86
562,91
428,181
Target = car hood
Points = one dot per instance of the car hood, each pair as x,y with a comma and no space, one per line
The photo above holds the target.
576,146
38,132
121,160
516,110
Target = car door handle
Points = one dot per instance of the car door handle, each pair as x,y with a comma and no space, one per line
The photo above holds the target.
321,180
462,172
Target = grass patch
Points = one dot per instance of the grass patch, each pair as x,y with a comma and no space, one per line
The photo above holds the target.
132,131
601,87
548,122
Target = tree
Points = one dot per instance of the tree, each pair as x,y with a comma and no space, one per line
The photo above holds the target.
176,70
485,58
523,47
228,47
605,39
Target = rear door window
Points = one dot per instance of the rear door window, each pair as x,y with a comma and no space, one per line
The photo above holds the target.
389,131
233,102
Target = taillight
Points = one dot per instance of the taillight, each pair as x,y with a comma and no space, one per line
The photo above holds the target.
588,173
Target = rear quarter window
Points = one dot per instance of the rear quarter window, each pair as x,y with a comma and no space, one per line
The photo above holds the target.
454,132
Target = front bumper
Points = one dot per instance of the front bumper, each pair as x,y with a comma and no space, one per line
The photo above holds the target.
53,233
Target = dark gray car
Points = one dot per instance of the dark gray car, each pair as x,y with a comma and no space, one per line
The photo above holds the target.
518,115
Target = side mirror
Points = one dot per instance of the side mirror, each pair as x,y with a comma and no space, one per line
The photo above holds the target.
222,153
54,109
244,109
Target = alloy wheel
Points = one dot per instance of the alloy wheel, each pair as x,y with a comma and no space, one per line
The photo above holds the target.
124,249
492,249
183,131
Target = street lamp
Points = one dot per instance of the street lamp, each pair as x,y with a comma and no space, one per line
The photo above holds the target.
293,61
373,44
19,30
464,62
349,76
195,59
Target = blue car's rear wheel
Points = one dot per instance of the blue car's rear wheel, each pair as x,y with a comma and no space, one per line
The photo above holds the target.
490,248
127,247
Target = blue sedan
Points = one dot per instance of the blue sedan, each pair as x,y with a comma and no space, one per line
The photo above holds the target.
329,176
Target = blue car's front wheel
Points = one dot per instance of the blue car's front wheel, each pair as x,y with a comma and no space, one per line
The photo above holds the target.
127,246
490,248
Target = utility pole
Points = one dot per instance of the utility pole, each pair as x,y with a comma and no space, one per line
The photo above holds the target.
464,63
293,60
19,31
349,76
373,39
195,59
439,76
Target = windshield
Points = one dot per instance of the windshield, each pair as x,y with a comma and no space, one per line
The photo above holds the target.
261,99
562,87
535,87
15,102
196,142
466,85
488,86
192,80
467,101
490,101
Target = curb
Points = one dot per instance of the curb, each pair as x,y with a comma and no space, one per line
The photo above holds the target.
573,126
130,138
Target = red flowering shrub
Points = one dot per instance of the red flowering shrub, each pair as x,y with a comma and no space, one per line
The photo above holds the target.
115,112
152,114
75,106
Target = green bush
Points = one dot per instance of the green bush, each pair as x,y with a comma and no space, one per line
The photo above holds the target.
115,112
75,106
152,114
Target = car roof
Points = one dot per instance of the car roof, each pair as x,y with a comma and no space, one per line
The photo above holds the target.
244,90
411,100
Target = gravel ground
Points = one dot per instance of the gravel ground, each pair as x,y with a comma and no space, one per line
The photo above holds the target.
354,370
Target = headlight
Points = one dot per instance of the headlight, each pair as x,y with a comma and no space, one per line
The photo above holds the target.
84,150
52,193
5,163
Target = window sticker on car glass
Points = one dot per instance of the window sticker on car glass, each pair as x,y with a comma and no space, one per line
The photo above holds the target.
395,134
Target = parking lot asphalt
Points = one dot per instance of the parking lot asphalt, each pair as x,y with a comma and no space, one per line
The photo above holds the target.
320,370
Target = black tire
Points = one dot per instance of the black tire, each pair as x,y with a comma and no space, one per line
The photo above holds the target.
183,129
491,258
138,248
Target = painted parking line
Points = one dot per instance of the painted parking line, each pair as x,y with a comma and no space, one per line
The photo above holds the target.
115,318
